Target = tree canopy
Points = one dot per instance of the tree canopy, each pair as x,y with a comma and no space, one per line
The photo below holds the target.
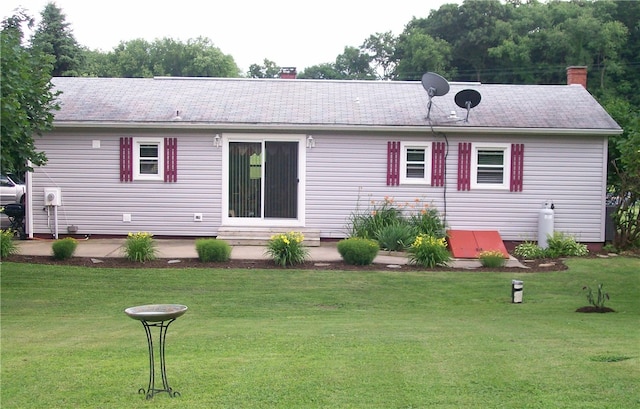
28,101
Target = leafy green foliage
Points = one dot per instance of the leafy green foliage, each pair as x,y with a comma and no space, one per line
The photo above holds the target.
396,237
64,248
213,250
54,37
27,98
529,250
429,251
140,247
287,249
564,245
7,244
395,225
358,251
492,258
597,298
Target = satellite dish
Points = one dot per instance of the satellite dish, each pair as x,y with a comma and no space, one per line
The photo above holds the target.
435,85
467,99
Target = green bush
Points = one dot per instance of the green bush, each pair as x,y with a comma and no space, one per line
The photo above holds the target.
358,251
366,224
287,249
528,250
428,221
64,248
429,251
140,247
396,225
396,237
492,258
563,245
213,250
7,245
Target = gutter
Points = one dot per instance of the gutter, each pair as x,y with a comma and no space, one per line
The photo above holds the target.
324,128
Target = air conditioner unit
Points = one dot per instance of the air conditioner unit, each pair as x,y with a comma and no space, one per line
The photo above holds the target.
52,196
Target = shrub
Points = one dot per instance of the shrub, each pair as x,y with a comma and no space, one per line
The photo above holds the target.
7,245
358,251
429,251
64,248
140,247
492,258
563,245
213,250
396,237
428,221
598,299
366,224
287,249
528,250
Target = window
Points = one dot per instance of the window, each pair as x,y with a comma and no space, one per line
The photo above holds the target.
490,166
415,163
148,159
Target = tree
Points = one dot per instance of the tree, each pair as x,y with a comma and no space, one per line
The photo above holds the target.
27,98
418,53
381,48
268,69
326,71
54,37
354,64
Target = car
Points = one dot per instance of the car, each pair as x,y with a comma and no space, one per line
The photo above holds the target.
12,190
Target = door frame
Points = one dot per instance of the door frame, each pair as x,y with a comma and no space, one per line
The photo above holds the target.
259,221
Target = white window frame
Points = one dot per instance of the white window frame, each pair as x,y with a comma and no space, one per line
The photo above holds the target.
504,147
404,147
137,142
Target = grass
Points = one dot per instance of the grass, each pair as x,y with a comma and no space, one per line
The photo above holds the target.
322,339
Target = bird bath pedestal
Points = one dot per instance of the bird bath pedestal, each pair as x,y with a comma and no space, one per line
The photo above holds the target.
160,316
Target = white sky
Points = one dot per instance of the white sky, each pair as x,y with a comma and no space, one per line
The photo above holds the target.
290,33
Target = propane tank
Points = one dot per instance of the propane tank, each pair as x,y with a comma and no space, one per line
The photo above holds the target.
545,223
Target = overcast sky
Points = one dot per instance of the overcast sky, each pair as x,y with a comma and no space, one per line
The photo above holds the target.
290,33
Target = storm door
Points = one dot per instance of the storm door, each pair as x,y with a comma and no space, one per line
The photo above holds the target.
263,180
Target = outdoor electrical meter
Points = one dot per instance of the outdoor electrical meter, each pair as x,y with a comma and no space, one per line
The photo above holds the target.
52,196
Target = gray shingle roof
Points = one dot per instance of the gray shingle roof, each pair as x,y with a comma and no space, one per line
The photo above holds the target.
222,102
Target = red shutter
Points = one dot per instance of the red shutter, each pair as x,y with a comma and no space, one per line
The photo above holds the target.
437,164
170,159
464,166
517,166
126,159
393,163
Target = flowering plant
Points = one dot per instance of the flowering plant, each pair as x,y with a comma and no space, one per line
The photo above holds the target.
287,249
491,258
140,247
429,251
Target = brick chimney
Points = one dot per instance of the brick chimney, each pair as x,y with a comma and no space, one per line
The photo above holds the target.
288,73
577,75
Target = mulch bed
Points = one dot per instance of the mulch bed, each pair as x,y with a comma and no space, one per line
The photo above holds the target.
534,266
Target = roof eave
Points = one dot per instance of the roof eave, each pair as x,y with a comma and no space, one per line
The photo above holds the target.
220,127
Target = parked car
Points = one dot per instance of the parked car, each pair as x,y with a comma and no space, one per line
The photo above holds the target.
12,190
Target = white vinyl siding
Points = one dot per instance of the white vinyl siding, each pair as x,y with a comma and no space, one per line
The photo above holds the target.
342,174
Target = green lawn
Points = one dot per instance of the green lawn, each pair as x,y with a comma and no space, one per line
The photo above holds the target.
323,339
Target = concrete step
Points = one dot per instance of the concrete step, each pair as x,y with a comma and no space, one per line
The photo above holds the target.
260,236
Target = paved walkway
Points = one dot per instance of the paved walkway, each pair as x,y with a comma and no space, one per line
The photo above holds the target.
185,248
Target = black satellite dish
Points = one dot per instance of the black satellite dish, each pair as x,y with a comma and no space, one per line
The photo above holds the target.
467,99
435,85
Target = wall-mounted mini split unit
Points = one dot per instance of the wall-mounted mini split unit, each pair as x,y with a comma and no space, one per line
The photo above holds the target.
52,196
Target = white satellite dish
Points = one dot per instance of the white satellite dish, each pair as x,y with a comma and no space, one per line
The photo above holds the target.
435,85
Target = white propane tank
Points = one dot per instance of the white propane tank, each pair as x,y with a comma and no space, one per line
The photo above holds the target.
545,224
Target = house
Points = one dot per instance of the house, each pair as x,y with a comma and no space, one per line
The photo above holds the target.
207,157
